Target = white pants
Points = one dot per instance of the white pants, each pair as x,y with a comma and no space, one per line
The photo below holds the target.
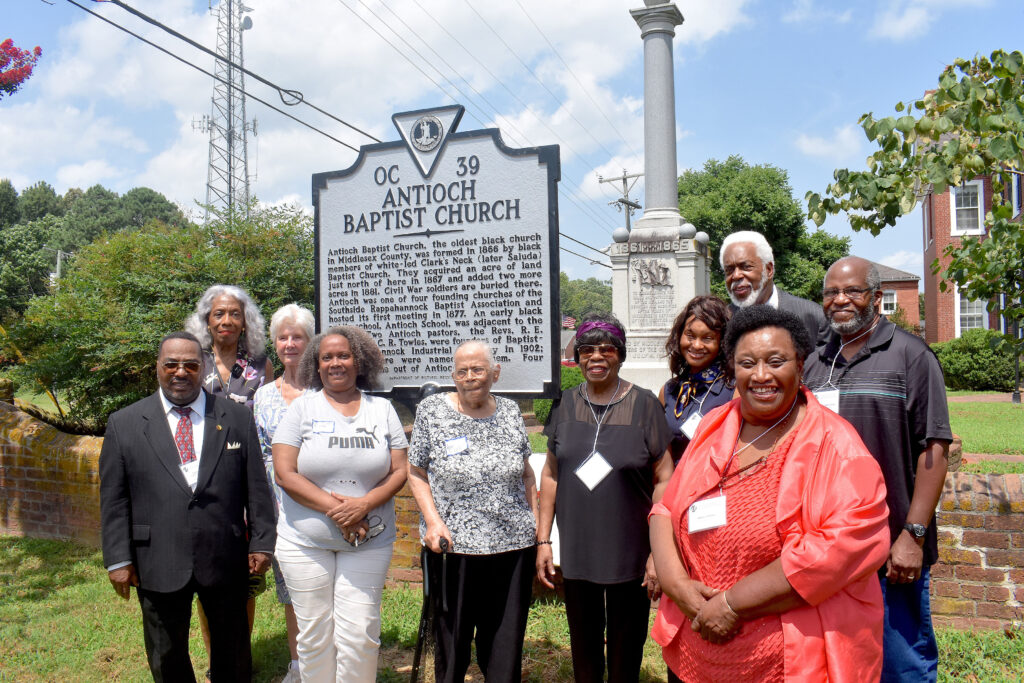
336,596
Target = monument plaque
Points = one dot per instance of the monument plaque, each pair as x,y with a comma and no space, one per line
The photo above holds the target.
441,237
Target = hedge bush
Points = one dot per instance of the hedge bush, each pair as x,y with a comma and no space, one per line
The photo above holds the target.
972,363
571,376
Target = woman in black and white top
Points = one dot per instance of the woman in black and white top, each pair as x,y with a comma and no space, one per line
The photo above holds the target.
469,472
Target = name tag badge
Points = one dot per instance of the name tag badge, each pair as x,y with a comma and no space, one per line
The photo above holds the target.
191,472
705,514
690,426
323,426
593,470
828,398
459,444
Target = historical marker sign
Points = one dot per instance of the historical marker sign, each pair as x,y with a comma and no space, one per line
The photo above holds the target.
442,237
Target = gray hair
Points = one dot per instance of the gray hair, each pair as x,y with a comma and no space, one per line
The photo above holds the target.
253,343
476,344
764,250
295,316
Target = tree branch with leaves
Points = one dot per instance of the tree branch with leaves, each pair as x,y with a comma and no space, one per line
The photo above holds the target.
972,124
15,66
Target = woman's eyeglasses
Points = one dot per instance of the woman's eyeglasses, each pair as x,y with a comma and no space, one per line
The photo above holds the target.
470,373
603,349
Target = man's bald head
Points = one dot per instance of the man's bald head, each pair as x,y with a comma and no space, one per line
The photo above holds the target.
852,296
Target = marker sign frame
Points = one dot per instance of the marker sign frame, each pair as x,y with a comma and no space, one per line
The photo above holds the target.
441,237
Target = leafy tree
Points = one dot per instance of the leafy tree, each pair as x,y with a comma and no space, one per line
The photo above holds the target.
972,124
731,195
24,264
70,197
15,66
37,201
95,337
579,297
141,205
9,214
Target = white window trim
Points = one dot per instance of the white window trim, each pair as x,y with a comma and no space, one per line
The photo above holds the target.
981,211
1015,198
926,219
895,301
956,314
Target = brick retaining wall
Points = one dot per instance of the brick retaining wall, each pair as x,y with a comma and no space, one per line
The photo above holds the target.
49,488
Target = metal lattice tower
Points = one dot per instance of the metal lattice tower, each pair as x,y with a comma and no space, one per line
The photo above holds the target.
227,179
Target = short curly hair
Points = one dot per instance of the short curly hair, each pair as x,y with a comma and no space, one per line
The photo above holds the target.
253,343
599,336
367,356
760,316
711,311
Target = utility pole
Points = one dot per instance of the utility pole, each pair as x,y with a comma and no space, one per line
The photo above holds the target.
624,203
227,176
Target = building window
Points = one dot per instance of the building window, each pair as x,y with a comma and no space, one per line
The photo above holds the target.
971,314
926,217
888,302
967,209
1015,183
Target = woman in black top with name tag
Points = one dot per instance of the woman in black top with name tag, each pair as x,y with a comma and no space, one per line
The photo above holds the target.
607,463
699,382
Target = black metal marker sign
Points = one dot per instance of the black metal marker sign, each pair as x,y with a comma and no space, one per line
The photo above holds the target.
441,237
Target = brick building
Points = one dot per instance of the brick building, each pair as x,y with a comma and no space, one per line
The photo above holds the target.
946,219
899,290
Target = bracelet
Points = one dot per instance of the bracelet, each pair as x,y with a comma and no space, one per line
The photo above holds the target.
725,597
544,542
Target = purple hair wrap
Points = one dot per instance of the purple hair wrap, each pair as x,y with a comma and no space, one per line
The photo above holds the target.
599,325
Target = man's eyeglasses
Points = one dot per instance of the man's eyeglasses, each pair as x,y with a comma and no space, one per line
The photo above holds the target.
849,292
191,366
603,349
470,373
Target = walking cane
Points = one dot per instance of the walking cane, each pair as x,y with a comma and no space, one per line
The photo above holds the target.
426,615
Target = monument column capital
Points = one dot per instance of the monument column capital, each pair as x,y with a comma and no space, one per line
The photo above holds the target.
657,18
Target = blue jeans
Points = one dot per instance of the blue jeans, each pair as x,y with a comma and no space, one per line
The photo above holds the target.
909,651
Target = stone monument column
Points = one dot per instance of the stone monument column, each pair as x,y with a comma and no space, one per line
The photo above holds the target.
663,262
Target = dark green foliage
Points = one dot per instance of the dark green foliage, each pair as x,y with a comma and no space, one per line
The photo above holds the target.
899,319
971,362
9,214
571,376
25,264
95,338
731,195
579,297
37,201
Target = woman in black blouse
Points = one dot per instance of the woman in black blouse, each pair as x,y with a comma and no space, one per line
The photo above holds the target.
699,383
607,463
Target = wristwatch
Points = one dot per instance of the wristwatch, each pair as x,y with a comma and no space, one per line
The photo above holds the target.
916,530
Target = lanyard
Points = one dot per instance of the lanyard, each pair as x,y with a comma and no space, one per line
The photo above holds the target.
586,396
700,406
750,443
842,346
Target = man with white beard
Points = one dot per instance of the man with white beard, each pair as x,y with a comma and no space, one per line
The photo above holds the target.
749,266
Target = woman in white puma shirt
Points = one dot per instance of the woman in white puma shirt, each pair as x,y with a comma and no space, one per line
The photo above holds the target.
339,458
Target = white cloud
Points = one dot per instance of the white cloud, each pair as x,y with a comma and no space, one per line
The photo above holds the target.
844,144
87,174
805,11
904,19
910,261
706,19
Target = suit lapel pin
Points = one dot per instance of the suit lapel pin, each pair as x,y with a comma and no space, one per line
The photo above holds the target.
218,428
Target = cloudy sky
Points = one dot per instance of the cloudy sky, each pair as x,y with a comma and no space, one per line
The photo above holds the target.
780,82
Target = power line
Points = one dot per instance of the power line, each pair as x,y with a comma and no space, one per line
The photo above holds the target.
578,82
297,96
582,243
586,258
211,75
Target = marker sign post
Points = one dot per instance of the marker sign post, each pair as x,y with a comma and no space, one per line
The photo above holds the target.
442,237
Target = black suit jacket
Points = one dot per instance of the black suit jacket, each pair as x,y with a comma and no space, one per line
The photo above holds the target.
152,518
810,313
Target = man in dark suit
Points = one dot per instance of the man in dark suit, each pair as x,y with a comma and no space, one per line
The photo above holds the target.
749,266
186,510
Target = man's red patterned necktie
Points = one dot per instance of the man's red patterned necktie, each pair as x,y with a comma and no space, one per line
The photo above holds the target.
183,435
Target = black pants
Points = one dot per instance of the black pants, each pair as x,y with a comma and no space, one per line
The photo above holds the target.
488,594
165,623
625,609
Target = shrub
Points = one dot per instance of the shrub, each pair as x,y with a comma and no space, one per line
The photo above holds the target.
973,362
94,337
571,376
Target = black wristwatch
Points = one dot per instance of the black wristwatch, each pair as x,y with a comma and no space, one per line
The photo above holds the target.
916,530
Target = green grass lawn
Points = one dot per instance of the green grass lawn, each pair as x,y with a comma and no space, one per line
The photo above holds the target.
989,427
538,442
60,620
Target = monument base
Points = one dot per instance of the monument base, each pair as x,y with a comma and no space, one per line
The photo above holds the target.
648,374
